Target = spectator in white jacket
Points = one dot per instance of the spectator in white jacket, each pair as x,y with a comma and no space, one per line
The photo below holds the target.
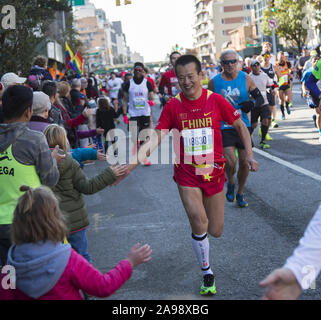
301,269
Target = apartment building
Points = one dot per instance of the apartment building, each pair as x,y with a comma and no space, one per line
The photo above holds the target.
259,7
104,40
204,30
214,21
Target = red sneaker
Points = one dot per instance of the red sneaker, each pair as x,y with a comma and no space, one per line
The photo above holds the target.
147,163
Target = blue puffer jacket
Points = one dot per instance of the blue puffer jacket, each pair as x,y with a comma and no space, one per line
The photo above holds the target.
43,74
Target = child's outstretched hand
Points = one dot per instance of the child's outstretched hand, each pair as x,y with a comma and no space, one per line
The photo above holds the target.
119,170
101,156
139,255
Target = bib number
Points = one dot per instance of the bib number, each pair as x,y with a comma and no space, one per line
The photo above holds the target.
198,141
139,103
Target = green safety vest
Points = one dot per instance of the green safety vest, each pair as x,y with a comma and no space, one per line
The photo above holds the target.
317,70
12,176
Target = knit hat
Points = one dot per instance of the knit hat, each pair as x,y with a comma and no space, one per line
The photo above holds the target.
41,103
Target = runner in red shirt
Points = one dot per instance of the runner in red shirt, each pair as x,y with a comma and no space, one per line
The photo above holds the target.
169,80
195,116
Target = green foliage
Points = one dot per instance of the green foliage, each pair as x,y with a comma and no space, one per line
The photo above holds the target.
33,18
291,15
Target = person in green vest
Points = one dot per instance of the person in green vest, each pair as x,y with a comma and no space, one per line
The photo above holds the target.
25,158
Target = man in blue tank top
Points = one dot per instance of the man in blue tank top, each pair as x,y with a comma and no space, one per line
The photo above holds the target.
235,86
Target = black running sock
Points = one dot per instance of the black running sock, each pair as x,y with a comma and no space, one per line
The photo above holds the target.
264,130
282,109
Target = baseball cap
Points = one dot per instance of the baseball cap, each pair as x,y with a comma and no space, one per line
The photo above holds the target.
286,54
304,48
11,78
104,98
82,96
41,102
253,62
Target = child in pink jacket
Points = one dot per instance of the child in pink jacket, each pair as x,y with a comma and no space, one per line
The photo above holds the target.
48,269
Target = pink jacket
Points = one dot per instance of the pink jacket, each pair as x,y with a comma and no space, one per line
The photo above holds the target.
78,275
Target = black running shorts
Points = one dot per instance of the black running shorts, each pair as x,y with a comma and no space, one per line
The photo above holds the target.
231,138
262,112
271,99
284,88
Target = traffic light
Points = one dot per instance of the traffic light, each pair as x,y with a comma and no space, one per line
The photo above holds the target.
176,47
272,6
128,2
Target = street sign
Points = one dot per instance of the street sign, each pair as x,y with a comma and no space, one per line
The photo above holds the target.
273,23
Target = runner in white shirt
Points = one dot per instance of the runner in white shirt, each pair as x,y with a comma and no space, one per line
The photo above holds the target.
301,269
137,93
212,71
113,86
262,82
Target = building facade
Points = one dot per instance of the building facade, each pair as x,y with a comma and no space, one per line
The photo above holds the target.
215,19
104,40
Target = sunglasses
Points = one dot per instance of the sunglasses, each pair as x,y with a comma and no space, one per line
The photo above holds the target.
139,69
226,62
255,65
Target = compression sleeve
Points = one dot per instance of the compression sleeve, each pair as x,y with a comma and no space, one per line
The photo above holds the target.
311,84
256,94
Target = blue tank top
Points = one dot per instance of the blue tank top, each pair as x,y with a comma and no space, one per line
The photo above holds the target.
235,92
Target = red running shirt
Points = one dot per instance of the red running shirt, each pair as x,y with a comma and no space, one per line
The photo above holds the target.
169,80
197,138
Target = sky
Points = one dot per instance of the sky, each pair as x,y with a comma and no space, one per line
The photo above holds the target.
153,27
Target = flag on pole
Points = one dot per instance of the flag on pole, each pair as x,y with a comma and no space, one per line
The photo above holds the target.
69,57
78,63
53,70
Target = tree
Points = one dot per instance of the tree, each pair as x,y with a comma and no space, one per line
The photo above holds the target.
315,6
290,15
33,18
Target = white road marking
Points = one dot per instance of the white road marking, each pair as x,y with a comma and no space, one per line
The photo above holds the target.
288,164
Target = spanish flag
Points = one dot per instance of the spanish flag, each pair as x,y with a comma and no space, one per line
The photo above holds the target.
69,57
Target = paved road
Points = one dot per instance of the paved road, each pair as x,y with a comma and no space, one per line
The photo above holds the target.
146,208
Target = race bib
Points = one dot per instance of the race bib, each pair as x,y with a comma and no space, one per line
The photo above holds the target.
198,141
139,103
